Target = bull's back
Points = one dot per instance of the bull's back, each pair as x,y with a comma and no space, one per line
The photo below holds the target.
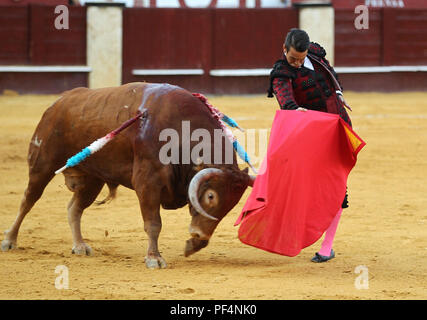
83,115
80,116
110,107
100,108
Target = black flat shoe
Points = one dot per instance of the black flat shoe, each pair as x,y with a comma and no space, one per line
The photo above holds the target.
319,258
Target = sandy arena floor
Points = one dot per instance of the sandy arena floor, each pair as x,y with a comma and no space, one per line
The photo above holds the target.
384,229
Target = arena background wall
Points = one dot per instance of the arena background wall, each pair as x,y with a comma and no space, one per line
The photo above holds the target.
222,51
32,49
206,40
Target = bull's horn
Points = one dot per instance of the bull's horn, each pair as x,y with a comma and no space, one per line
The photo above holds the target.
193,189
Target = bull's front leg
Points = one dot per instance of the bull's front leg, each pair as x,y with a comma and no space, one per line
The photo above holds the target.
148,192
152,227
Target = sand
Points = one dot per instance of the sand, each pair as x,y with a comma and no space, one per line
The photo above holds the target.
380,245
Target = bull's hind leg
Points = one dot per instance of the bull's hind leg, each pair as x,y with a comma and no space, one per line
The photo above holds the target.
86,189
36,185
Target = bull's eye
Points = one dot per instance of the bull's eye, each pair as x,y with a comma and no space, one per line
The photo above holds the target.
210,198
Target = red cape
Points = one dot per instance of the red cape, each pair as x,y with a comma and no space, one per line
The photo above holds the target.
302,181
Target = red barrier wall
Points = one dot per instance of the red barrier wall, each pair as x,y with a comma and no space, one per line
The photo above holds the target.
14,35
209,39
204,39
50,46
405,41
250,38
28,37
166,39
358,47
394,37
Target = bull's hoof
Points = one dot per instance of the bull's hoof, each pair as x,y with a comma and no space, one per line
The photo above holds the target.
82,249
7,245
155,262
193,245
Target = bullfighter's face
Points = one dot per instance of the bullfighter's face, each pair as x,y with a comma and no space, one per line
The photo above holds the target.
217,195
294,57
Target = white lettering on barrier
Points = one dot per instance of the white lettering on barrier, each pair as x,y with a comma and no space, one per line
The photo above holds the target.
362,20
62,21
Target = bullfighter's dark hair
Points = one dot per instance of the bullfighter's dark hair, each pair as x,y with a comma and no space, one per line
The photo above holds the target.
297,39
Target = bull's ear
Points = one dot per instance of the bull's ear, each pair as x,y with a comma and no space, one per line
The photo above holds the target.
199,165
250,179
243,179
198,168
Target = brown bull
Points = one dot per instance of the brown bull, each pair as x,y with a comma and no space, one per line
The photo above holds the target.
132,160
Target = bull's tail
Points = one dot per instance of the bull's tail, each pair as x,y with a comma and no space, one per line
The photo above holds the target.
111,194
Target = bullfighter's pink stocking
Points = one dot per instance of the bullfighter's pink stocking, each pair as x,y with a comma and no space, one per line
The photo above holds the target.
325,250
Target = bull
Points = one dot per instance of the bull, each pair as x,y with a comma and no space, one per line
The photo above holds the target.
132,160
